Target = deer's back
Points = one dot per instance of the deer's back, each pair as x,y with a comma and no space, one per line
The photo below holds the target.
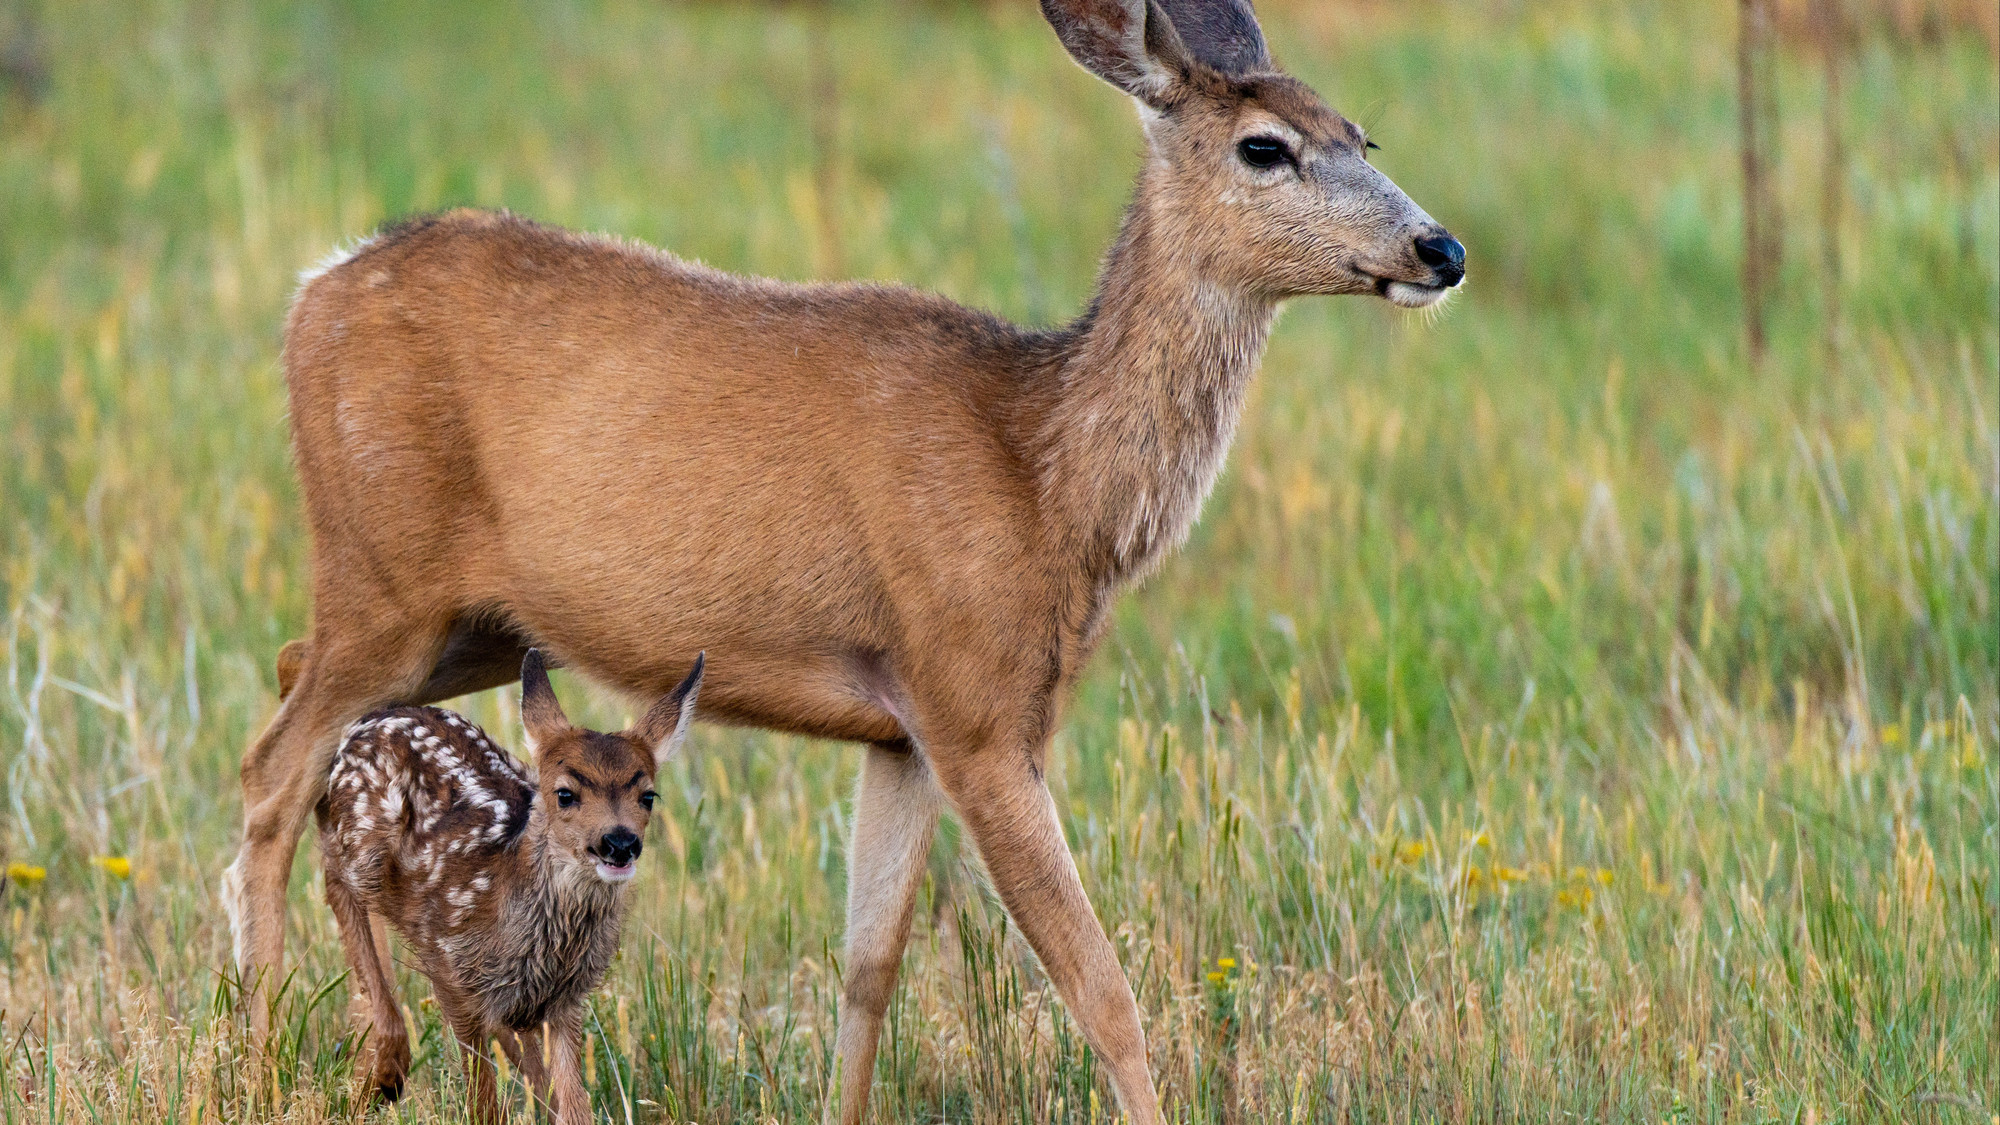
421,813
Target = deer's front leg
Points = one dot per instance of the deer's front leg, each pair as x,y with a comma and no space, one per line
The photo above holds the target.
529,1052
473,1044
998,792
895,816
564,1035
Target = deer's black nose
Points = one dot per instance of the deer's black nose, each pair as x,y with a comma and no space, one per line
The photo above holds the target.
1444,254
619,847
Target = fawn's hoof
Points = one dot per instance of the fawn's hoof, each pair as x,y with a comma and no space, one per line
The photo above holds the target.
392,1066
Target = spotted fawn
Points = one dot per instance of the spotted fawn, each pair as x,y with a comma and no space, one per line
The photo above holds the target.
506,882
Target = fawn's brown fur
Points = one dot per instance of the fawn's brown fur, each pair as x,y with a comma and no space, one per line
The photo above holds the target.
506,883
891,519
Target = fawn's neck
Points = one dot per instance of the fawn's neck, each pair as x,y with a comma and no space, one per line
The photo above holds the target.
562,904
1148,388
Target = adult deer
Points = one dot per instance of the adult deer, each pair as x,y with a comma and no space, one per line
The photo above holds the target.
889,519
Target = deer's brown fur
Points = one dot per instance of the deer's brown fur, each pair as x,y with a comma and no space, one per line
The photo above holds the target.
506,883
889,518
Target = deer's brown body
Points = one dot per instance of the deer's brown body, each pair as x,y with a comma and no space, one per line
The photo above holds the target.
888,518
498,888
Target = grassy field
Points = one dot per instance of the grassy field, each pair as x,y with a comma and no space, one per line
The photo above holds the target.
1552,719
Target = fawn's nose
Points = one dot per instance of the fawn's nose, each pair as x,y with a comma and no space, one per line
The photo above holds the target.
619,847
1444,254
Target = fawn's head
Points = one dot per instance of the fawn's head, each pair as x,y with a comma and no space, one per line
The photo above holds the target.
1269,187
596,789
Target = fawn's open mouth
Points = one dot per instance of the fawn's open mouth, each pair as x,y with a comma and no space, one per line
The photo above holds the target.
615,872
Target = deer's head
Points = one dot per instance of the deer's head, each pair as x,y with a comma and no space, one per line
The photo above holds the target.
596,789
1251,171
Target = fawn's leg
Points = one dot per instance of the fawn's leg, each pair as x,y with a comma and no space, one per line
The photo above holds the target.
388,1040
470,1030
529,1051
564,1034
895,816
285,772
998,792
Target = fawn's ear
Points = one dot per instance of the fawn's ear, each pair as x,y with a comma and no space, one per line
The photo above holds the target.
540,713
666,722
1131,44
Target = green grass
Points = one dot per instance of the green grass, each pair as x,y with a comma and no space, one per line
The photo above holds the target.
1552,718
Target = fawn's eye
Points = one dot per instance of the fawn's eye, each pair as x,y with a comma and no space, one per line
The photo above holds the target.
1263,152
565,797
648,797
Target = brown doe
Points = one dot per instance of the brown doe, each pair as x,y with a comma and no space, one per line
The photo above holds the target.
890,519
507,884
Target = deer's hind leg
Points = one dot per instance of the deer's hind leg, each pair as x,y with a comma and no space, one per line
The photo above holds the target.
367,954
352,665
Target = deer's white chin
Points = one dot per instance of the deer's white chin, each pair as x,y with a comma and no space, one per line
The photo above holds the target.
1413,296
612,873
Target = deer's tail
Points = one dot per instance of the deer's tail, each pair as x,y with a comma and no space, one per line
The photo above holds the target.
291,662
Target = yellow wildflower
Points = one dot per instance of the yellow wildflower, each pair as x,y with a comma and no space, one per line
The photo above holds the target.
1509,874
1225,962
1479,839
1215,978
27,875
1604,876
116,866
1892,733
1412,851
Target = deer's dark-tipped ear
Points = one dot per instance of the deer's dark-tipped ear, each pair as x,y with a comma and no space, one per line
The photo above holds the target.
1128,43
666,722
1222,33
540,713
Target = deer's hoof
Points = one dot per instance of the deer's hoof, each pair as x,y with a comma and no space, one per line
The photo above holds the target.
392,1066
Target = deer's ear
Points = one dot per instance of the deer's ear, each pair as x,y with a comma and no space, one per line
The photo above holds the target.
666,722
1131,44
1224,34
541,715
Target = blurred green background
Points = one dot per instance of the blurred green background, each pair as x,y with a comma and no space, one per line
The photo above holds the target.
1561,711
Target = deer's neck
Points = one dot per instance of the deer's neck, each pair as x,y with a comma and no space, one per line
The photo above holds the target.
1148,388
564,896
561,909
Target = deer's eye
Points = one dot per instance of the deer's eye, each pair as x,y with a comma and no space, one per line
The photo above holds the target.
1263,152
648,797
565,797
